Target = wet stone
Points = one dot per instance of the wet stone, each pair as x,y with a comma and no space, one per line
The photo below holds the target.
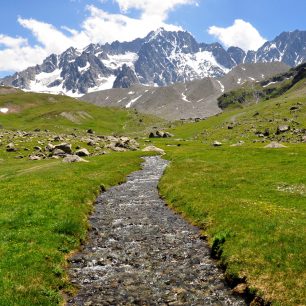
140,253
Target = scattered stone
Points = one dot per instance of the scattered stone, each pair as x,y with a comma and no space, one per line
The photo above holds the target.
217,143
90,131
37,148
160,134
91,143
19,157
240,289
11,147
154,149
152,135
34,157
58,152
58,138
74,159
266,132
282,129
66,147
275,145
82,152
50,147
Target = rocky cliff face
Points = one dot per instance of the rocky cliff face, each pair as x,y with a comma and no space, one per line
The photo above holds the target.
160,59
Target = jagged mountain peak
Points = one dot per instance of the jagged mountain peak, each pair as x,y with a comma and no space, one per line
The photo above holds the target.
161,58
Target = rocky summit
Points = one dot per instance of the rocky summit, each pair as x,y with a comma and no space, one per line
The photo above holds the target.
161,58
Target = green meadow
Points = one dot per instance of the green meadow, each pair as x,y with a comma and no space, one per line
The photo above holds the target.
249,201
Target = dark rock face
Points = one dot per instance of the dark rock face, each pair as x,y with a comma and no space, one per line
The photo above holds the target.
223,57
160,59
126,78
140,253
288,47
236,54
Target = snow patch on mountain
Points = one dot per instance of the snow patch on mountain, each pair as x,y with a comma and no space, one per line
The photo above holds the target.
132,102
118,60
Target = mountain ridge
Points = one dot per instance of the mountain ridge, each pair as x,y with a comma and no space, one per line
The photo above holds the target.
185,100
162,58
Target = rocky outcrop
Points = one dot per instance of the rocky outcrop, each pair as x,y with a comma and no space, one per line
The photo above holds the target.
51,146
126,78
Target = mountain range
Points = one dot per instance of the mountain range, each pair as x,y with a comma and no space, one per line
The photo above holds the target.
160,59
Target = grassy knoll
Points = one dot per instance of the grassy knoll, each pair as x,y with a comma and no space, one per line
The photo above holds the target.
43,216
63,114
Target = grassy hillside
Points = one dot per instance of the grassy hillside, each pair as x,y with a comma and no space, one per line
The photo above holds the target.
250,92
28,111
45,204
250,123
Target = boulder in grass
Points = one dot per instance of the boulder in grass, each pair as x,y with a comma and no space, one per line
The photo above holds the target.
50,147
275,145
154,149
58,152
11,147
217,143
82,152
282,129
74,159
66,147
35,157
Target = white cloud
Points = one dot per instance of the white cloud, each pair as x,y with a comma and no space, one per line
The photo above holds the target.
241,34
98,27
156,8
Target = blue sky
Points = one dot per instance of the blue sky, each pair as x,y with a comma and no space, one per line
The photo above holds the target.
32,29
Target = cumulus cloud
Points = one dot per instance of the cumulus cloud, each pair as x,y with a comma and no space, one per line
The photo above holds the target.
157,8
241,34
99,26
